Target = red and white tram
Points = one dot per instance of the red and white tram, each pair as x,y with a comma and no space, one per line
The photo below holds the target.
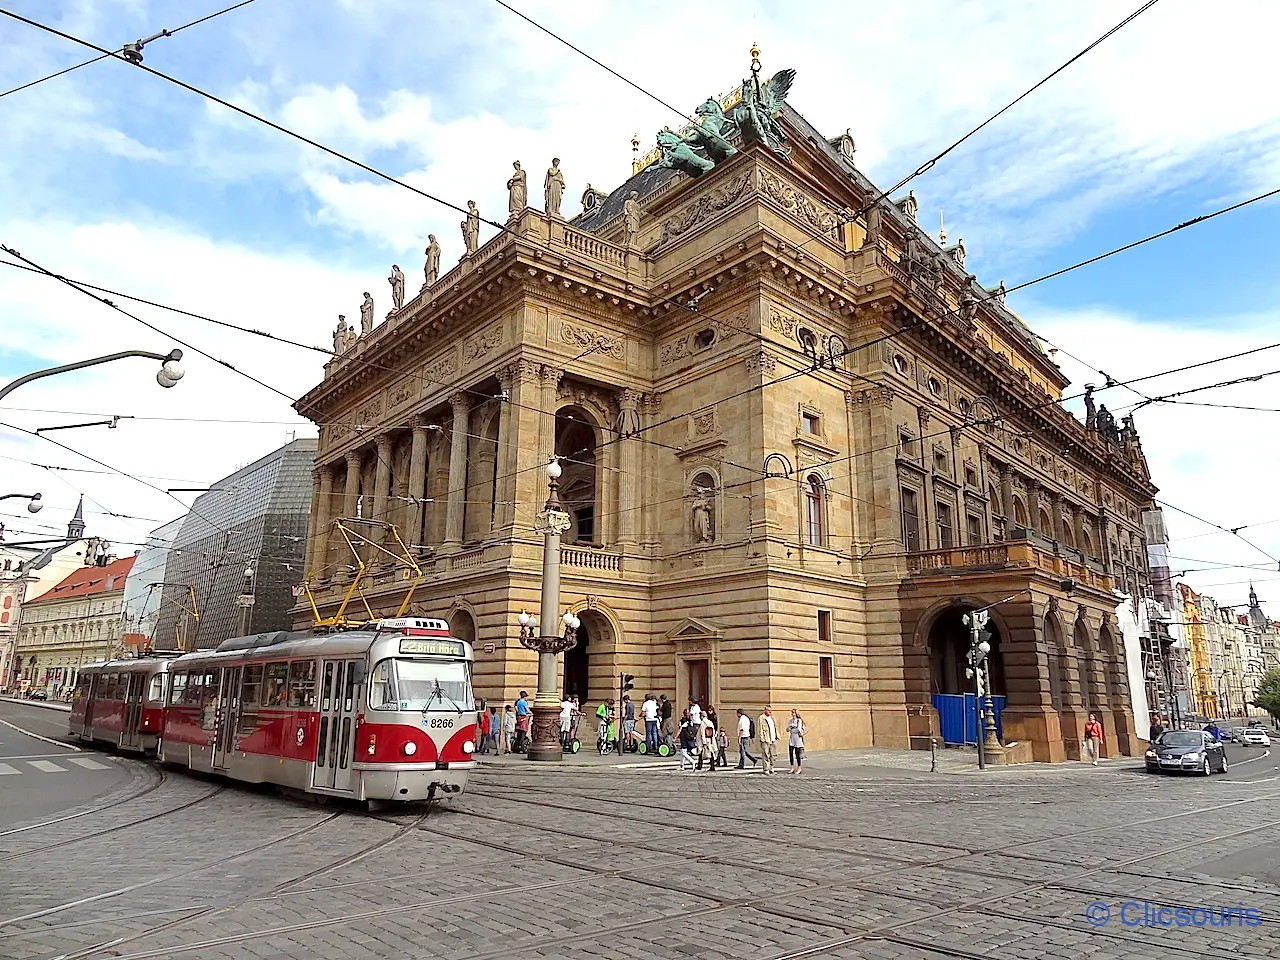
378,713
121,702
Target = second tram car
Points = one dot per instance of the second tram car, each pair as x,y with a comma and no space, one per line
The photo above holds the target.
121,702
378,713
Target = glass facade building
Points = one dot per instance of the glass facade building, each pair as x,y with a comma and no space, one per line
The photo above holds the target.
255,519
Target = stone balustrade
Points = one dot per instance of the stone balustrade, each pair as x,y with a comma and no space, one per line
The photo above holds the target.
1011,554
590,559
589,246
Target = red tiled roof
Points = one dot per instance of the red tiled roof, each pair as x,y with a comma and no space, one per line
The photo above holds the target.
87,581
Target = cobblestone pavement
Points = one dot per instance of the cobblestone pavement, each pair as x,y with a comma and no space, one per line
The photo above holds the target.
848,861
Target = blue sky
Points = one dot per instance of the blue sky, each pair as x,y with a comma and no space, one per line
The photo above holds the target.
115,176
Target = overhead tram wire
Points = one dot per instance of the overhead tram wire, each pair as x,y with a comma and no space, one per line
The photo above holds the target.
872,342
1235,532
116,53
502,227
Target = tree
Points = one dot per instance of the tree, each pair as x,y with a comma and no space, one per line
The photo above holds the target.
1268,695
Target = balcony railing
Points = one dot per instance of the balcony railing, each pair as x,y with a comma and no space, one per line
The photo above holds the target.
1011,554
590,559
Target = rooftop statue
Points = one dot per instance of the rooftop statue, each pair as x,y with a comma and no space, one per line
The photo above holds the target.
679,155
760,102
712,130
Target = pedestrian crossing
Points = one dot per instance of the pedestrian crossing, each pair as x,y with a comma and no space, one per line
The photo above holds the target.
17,766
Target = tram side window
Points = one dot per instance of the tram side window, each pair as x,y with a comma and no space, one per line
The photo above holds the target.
273,684
155,692
110,687
302,683
209,701
382,692
177,687
82,686
194,694
251,685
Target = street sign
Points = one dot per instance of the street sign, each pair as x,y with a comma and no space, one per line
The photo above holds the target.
489,647
244,600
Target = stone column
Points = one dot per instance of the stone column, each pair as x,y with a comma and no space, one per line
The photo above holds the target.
310,555
461,404
502,507
417,483
351,491
1006,495
1055,507
382,479
520,476
550,384
322,511
628,467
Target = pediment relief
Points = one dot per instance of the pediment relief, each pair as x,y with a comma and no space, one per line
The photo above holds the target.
694,629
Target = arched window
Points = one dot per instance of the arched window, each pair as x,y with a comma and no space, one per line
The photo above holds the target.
1086,543
815,505
1046,525
1019,513
1068,533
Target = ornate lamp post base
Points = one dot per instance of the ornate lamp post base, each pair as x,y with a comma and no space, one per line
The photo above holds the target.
991,745
544,742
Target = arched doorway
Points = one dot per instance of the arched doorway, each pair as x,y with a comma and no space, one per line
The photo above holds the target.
462,626
949,652
953,690
1085,660
577,437
1053,647
577,666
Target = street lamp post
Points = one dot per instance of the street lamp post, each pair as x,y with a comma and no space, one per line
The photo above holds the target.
245,602
551,522
169,374
35,501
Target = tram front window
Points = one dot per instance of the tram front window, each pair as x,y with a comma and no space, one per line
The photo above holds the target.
421,685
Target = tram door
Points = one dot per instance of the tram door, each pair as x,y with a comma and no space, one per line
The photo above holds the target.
129,735
227,717
341,683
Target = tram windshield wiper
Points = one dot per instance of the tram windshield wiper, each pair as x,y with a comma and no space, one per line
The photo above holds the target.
444,696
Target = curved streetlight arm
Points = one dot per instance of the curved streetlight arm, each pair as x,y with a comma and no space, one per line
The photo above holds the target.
19,496
172,355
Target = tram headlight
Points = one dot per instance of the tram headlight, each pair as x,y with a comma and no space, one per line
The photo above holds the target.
468,746
410,749
373,744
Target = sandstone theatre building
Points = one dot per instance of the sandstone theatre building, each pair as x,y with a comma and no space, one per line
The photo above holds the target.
799,443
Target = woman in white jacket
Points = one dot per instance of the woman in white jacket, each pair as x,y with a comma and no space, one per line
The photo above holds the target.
795,742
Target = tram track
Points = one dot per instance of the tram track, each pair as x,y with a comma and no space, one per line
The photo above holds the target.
114,801
113,829
281,889
886,932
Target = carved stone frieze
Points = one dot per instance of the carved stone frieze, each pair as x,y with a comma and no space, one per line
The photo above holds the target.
584,338
703,423
733,324
781,322
442,370
369,411
675,350
705,206
799,205
484,343
402,392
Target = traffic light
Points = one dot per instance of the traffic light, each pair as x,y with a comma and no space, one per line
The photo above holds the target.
626,682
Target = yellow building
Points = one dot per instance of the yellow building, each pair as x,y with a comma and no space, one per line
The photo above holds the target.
1203,697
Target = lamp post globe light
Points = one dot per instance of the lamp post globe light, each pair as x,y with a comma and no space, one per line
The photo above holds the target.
35,501
551,523
169,374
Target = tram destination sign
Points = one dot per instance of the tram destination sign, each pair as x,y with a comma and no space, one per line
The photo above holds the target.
433,648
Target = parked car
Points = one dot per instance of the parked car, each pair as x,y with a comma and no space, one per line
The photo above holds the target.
1186,751
1256,737
1237,734
38,695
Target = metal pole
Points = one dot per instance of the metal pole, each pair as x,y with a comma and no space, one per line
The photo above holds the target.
552,521
977,689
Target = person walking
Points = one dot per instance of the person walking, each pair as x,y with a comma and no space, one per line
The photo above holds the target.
767,734
687,741
649,713
1156,730
695,711
482,727
495,730
1092,739
508,728
744,740
706,744
566,723
795,742
628,722
666,712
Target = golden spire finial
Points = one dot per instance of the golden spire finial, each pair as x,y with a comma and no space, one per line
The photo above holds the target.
942,230
635,154
755,57
635,143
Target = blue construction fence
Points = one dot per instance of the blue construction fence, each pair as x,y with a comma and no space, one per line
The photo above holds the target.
958,716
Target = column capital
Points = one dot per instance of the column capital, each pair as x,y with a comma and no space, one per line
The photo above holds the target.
629,399
354,456
551,376
460,401
519,371
384,441
420,421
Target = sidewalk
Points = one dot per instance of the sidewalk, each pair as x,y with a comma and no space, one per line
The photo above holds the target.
46,704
